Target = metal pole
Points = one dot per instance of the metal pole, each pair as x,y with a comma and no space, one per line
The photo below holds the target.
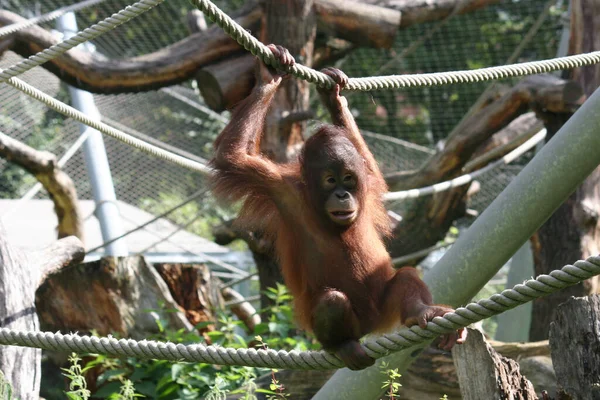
96,161
529,200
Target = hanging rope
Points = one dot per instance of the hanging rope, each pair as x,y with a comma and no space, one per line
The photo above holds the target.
250,43
318,360
90,33
7,30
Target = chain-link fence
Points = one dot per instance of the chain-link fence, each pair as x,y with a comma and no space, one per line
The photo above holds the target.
402,127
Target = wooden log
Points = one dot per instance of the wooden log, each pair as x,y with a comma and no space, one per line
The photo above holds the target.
485,374
430,217
505,140
244,310
44,166
226,83
20,276
111,295
540,92
575,346
360,23
167,66
421,11
194,290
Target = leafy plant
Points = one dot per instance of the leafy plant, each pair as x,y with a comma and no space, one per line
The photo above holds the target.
5,388
77,386
165,380
391,384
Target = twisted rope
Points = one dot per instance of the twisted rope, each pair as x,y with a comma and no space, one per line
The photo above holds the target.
318,360
10,29
106,129
90,33
250,43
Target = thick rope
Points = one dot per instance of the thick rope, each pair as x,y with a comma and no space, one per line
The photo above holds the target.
467,178
318,360
204,169
108,130
90,33
250,43
7,30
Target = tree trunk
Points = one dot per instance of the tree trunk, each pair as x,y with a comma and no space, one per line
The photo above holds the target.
573,231
575,345
122,295
485,374
20,276
292,24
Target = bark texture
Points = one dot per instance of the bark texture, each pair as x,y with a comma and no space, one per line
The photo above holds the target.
20,276
575,344
485,374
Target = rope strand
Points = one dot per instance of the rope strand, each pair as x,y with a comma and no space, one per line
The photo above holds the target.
253,45
317,360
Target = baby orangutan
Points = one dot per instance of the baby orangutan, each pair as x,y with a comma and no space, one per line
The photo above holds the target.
326,216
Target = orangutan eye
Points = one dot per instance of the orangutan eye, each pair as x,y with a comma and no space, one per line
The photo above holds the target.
329,182
349,180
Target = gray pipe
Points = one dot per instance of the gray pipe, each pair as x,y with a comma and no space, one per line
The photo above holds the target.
96,161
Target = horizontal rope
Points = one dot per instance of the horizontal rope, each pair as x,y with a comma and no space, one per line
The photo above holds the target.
204,169
106,129
90,33
7,30
467,178
250,43
317,360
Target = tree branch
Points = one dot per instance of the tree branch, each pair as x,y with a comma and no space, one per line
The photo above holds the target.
60,187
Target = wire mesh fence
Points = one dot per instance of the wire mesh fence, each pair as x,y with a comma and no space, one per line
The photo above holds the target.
402,127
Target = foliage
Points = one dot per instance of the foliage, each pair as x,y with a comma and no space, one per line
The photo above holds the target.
165,380
77,385
46,132
5,388
391,384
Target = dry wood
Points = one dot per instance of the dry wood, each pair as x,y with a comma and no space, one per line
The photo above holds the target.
360,23
20,275
517,350
108,296
228,82
541,91
60,186
505,140
194,290
173,64
485,374
421,11
244,311
575,344
430,217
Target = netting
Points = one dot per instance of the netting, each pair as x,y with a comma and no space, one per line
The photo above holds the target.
404,125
